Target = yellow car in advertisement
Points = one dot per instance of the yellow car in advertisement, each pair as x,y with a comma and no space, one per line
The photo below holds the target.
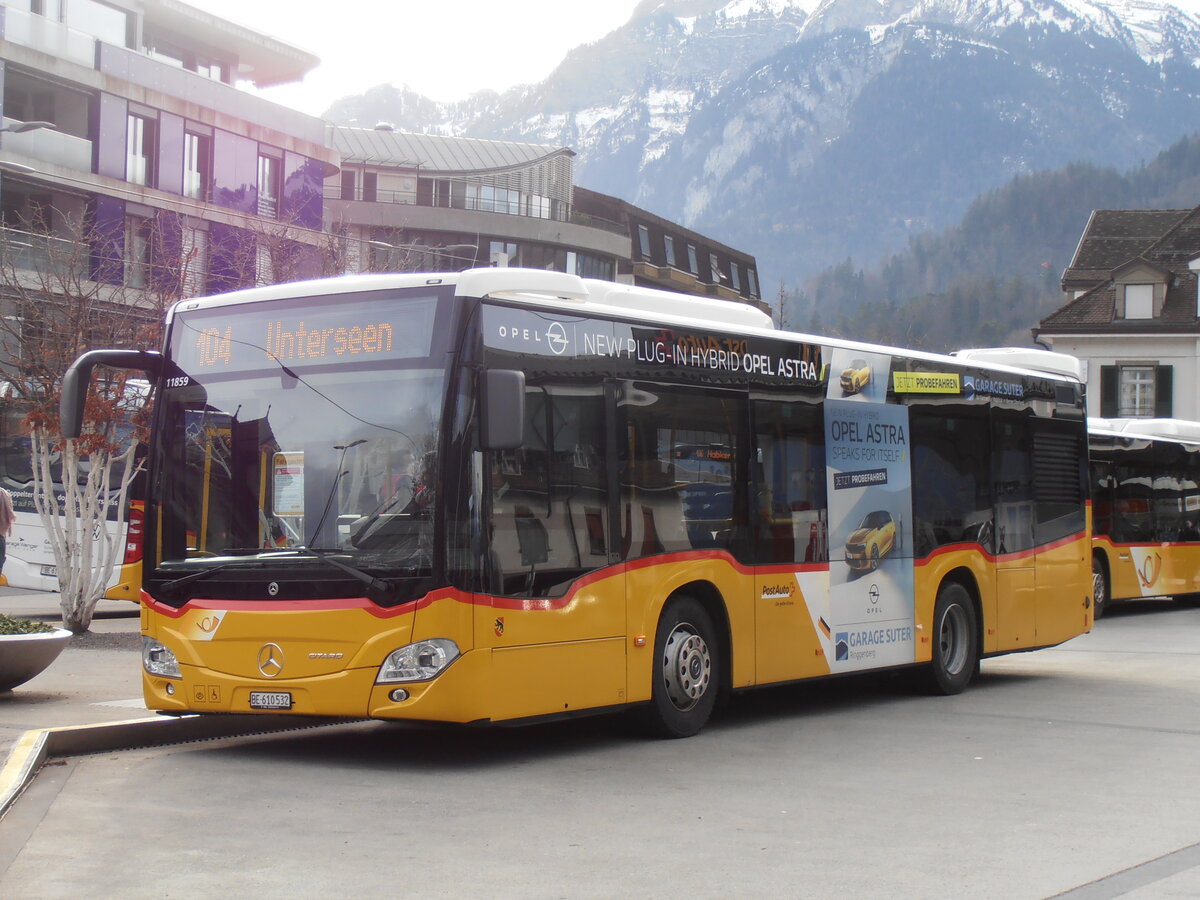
871,541
856,376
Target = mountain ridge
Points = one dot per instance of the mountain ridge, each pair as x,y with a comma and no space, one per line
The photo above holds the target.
804,135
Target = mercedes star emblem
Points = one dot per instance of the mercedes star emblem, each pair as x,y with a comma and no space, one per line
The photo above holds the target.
270,660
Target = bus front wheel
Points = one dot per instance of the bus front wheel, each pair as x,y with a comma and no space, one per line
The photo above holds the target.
686,671
955,641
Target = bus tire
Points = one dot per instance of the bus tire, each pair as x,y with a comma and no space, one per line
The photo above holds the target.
955,641
686,671
1099,587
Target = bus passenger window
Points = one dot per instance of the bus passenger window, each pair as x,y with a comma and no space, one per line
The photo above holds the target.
790,493
679,472
550,496
952,497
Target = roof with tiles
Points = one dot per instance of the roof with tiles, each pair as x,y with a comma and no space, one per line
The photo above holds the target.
1116,240
1115,236
434,152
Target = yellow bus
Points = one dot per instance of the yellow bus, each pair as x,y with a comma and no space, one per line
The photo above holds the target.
504,495
1145,484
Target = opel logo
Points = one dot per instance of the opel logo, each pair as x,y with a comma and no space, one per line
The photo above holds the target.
556,338
270,660
273,588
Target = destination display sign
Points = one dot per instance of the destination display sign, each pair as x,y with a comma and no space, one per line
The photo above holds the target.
628,347
252,337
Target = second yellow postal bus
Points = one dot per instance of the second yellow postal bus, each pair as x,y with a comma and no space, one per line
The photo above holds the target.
1146,509
504,495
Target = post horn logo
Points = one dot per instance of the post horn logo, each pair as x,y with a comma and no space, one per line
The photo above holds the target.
270,660
1150,570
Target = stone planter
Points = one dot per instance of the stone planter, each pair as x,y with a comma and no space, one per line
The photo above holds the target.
22,656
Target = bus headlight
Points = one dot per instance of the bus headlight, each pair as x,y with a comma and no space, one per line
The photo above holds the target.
157,659
418,662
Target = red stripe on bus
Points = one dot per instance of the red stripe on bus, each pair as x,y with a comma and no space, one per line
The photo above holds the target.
480,599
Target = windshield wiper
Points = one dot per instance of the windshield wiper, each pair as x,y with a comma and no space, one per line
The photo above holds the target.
384,588
171,586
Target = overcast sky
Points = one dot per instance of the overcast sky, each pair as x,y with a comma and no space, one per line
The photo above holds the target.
444,49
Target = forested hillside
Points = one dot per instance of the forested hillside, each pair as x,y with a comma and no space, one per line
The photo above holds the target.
990,279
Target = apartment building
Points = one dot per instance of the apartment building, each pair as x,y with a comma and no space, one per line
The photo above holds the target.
124,135
122,129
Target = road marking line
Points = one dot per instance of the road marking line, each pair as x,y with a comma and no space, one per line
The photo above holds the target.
1119,883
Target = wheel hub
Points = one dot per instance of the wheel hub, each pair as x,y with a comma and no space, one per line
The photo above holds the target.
687,667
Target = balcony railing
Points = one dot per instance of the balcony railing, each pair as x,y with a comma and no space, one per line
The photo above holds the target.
41,253
40,33
409,198
48,145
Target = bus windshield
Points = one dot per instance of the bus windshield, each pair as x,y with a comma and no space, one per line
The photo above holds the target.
302,429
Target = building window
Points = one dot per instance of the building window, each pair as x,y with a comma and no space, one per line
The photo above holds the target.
194,261
669,247
195,166
644,241
502,253
537,206
268,186
714,269
264,264
734,278
347,184
587,266
138,251
1139,301
370,186
693,260
752,282
1135,390
139,149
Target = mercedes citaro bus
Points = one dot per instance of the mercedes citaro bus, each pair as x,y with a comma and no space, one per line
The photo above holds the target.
502,495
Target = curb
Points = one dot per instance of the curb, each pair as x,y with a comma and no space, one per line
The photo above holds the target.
33,748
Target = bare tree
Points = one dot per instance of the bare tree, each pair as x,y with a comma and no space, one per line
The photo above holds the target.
64,285
69,285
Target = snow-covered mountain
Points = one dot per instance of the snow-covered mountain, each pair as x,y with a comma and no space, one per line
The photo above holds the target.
805,133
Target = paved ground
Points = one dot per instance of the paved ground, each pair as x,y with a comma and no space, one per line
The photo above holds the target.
97,678
1066,772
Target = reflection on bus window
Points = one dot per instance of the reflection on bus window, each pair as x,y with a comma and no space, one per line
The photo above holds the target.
550,497
680,453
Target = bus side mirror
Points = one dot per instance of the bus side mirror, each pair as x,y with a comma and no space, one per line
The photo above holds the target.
75,381
503,409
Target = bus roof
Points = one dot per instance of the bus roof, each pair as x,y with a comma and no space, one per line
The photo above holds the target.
1026,358
574,295
1157,429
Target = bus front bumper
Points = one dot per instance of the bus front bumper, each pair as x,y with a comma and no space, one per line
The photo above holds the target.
452,696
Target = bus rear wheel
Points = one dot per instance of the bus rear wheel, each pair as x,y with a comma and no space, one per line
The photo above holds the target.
955,641
686,671
1099,588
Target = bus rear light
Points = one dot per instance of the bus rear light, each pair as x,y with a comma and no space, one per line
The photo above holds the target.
133,534
418,662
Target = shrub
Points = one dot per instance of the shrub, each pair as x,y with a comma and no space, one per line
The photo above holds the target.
9,625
